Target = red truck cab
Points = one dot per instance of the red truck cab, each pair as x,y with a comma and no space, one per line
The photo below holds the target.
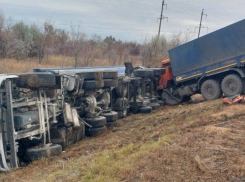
168,76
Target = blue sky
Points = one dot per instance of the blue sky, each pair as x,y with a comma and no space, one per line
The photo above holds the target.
131,20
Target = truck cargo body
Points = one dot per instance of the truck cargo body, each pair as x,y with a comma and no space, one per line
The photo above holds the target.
210,54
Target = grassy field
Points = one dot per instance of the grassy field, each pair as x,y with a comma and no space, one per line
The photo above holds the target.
21,66
201,141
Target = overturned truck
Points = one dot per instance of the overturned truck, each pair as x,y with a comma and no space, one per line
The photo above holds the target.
44,112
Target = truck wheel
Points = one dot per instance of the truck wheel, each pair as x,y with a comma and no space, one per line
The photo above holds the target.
154,106
110,116
167,99
153,100
36,80
110,82
145,110
91,75
110,74
48,151
122,114
160,102
98,122
232,85
211,90
95,131
93,84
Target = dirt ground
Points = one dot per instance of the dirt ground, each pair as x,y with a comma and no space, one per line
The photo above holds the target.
202,141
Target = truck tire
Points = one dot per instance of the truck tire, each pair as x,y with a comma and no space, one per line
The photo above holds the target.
154,106
95,131
98,122
91,75
110,82
211,90
232,85
110,116
48,151
93,84
122,114
160,102
110,75
168,100
144,73
145,110
36,80
153,100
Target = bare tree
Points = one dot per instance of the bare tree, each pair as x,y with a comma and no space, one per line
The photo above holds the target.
154,51
6,36
77,42
62,37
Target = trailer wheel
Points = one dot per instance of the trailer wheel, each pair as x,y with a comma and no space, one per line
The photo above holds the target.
98,122
91,75
144,73
232,85
145,110
153,100
154,106
122,114
110,116
110,74
211,90
48,151
110,82
95,131
36,80
160,102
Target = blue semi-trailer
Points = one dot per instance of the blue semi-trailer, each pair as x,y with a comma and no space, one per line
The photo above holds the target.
212,65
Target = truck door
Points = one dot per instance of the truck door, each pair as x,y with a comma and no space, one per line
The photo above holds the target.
168,76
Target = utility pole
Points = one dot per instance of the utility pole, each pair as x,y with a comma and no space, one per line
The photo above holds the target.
200,26
161,18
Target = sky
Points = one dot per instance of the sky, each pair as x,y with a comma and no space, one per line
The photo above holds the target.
127,20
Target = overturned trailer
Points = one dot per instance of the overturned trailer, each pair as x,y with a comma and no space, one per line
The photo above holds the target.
46,111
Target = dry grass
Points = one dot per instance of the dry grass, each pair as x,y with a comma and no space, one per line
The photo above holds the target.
21,66
192,142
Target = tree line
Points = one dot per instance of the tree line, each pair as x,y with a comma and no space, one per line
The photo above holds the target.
21,41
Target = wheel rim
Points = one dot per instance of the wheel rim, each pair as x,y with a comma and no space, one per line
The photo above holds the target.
232,86
210,90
